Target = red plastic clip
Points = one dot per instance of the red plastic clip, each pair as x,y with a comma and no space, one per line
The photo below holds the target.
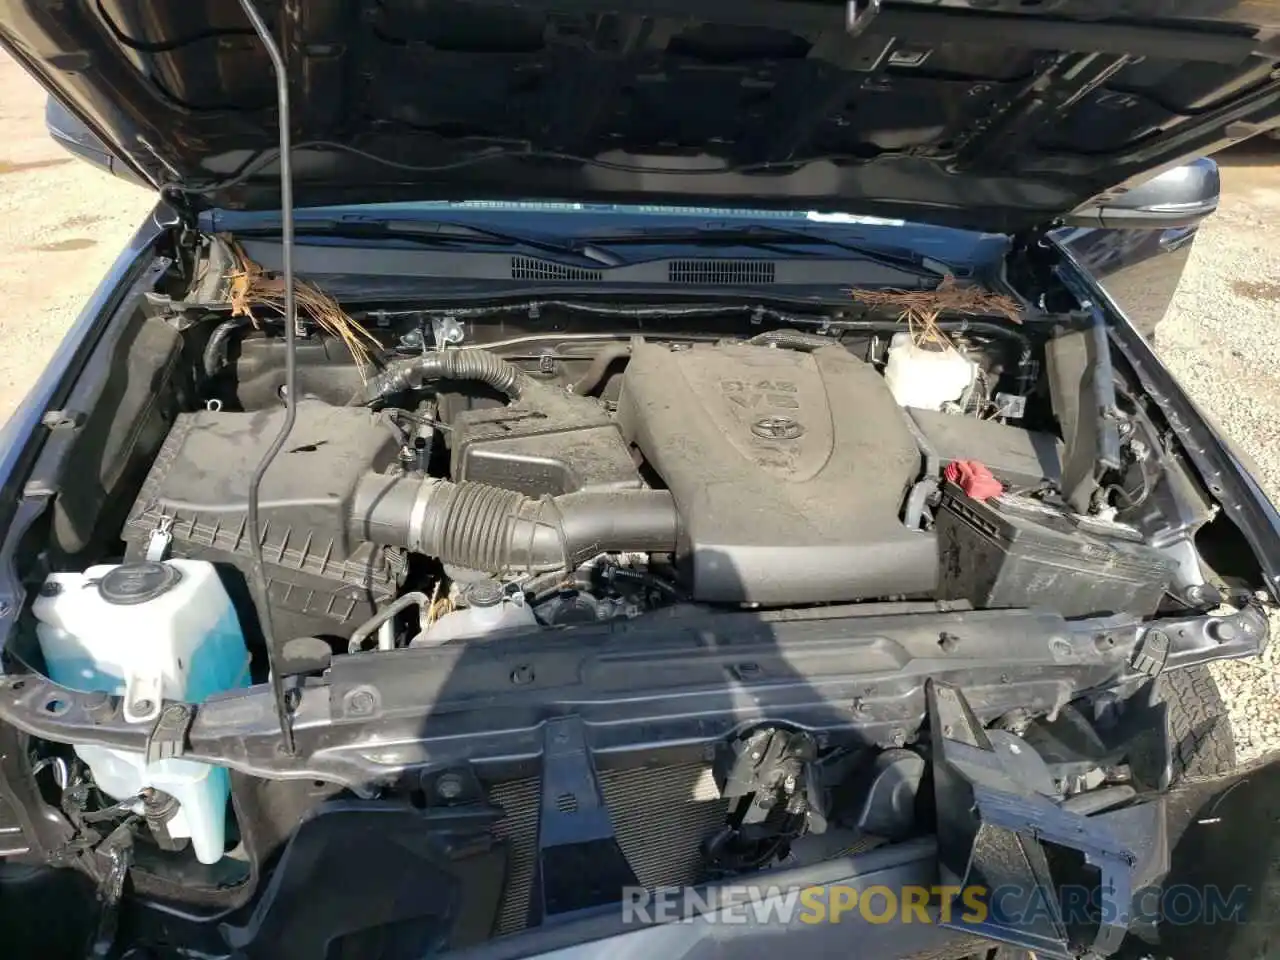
974,479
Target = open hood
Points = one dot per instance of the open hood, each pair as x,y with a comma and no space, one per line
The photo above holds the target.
993,114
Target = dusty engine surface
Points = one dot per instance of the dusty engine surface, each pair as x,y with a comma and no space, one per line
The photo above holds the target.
547,442
751,474
320,580
715,472
789,471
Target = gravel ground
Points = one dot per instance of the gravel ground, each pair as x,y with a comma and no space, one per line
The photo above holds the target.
62,222
1220,338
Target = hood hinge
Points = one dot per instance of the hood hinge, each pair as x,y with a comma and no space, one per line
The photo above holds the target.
1032,238
189,238
1032,253
180,202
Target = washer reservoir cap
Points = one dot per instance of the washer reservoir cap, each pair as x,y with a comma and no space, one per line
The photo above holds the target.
132,583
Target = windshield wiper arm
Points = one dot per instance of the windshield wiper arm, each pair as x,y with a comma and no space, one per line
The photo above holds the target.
449,229
762,235
439,231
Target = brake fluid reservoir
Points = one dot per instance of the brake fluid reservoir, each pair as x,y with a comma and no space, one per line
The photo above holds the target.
149,632
926,376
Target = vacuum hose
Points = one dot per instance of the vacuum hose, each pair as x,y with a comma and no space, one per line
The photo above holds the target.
480,527
794,339
215,350
407,374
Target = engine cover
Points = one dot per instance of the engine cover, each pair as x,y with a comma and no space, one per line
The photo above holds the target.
789,471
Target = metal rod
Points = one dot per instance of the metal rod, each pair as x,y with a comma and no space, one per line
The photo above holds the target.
290,367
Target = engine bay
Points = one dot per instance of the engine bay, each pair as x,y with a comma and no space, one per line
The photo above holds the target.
684,532
518,467
513,562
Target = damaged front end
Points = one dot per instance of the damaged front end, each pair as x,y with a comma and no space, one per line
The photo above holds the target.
850,760
571,615
570,620
462,599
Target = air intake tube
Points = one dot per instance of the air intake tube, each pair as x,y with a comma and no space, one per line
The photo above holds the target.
478,365
487,528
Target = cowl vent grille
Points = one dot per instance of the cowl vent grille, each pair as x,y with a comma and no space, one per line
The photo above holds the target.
529,268
721,272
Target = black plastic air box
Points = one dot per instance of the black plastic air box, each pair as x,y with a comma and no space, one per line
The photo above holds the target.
1021,458
1013,552
547,442
321,582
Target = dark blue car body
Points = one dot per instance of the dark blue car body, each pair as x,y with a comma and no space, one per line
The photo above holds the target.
1008,145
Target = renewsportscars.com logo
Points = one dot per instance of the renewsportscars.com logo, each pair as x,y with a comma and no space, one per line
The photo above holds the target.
976,905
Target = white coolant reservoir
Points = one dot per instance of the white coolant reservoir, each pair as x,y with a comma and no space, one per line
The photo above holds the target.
149,632
489,610
926,376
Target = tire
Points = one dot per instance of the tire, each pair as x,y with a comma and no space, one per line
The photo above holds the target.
1199,730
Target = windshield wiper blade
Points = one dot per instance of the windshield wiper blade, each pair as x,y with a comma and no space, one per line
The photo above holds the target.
766,236
449,229
439,231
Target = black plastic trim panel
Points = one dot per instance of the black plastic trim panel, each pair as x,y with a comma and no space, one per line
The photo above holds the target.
668,684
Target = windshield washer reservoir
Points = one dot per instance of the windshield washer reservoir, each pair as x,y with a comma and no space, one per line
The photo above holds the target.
149,631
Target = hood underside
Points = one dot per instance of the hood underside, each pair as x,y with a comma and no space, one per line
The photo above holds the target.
997,115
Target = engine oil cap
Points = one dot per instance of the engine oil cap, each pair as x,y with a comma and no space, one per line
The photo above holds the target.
132,583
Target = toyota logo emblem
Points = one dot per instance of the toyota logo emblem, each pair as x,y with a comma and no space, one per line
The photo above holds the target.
777,428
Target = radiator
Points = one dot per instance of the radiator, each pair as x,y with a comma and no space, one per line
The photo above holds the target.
661,815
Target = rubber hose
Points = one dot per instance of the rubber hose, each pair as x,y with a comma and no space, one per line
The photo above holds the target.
793,339
600,364
412,599
760,312
479,365
498,531
215,351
